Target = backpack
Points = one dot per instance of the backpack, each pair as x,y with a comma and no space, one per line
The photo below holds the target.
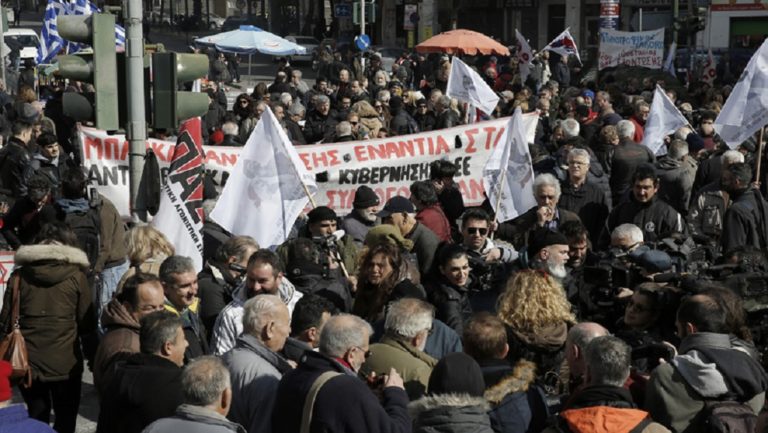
728,416
87,228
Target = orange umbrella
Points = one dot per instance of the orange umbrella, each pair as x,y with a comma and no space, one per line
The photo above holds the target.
461,41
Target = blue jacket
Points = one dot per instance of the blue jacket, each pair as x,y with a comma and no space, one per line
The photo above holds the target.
15,419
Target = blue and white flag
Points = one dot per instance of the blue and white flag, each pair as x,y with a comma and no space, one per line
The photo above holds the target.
51,43
669,64
564,44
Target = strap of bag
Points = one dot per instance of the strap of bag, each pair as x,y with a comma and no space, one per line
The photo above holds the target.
16,301
309,403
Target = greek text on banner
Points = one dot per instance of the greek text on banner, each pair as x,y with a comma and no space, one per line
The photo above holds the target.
644,49
387,165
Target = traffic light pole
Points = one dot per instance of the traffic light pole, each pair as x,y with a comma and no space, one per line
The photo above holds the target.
136,127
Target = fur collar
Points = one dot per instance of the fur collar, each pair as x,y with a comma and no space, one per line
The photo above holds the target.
29,254
521,378
431,402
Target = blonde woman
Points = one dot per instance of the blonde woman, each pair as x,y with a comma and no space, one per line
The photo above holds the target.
147,248
537,316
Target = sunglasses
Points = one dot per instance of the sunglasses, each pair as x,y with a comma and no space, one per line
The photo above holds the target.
476,230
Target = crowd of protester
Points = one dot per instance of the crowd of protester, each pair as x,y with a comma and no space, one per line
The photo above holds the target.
631,298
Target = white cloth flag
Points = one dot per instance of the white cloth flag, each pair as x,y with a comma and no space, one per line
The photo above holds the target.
468,86
265,193
746,109
663,119
180,216
516,187
564,44
524,56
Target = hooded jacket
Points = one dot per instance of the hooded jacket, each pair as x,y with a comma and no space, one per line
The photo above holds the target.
746,222
122,336
676,181
450,413
710,367
255,373
55,308
544,348
517,404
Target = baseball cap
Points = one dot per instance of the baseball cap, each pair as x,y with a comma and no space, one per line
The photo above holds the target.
396,204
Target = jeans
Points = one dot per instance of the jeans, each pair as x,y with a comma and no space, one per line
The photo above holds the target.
63,396
107,285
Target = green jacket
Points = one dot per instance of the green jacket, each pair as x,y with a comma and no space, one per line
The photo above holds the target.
412,364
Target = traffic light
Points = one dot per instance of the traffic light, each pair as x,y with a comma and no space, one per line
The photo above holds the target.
171,106
99,68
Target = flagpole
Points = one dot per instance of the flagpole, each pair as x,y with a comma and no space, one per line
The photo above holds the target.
309,195
759,154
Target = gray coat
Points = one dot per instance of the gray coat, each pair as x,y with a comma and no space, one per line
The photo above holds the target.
450,413
255,372
425,244
194,419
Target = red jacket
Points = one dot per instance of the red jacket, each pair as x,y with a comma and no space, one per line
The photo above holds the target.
434,219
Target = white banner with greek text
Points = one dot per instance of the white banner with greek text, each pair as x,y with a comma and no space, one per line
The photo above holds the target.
644,49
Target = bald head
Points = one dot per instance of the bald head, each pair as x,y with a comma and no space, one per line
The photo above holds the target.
578,338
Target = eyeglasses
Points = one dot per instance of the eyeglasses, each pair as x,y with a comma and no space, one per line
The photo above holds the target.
366,353
476,230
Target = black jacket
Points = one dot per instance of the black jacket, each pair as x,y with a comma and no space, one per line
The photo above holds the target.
215,287
517,230
452,305
144,389
344,404
213,236
746,222
403,124
425,121
626,157
15,169
294,132
656,219
447,119
589,202
319,127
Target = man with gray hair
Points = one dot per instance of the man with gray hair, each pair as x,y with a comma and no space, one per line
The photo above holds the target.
255,363
677,171
207,391
294,117
231,134
576,344
179,278
571,128
607,369
627,237
406,328
582,196
708,206
627,156
546,214
321,121
327,390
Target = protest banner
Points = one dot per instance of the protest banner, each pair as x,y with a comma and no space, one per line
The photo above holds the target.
644,49
388,165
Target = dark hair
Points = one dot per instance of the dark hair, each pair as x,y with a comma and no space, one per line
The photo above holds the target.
704,312
73,183
46,138
18,127
309,311
475,213
130,292
424,192
574,230
485,336
707,115
57,231
157,329
450,252
371,299
441,168
735,314
741,171
266,257
237,247
645,171
37,186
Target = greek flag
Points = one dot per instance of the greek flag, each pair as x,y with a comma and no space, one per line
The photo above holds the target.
51,44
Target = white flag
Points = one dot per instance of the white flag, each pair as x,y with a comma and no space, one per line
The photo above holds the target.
514,158
669,64
180,216
265,193
468,86
709,73
524,56
564,44
663,119
746,109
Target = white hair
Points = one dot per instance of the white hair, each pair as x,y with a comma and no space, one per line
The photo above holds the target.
408,317
575,153
628,231
230,128
286,99
625,128
731,157
546,179
678,149
383,95
682,133
571,128
258,311
342,332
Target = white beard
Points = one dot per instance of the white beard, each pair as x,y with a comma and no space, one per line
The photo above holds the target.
557,270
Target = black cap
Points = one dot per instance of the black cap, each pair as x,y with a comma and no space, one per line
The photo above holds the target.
321,213
542,238
396,204
457,373
365,198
